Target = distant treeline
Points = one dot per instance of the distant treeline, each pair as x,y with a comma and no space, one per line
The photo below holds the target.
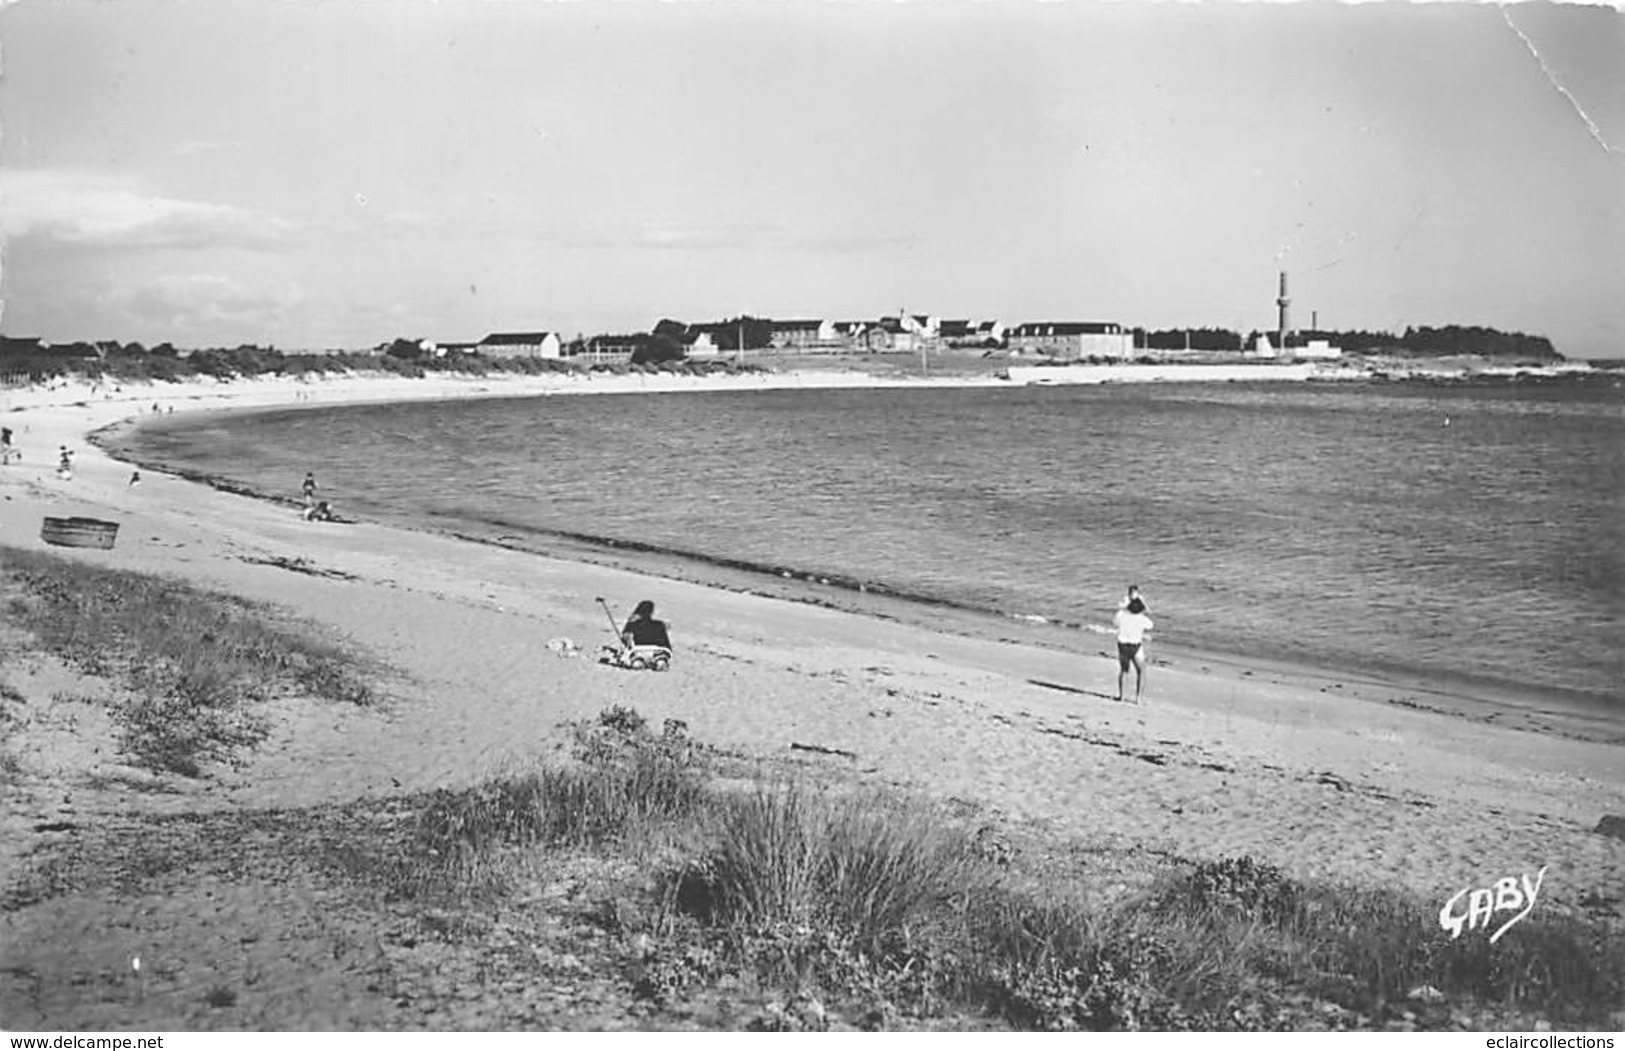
134,363
1472,339
1420,342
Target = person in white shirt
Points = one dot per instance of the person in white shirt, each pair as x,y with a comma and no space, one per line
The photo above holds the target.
1133,593
1132,624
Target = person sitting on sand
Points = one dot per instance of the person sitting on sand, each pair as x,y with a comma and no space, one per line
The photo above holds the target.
320,511
642,629
1132,624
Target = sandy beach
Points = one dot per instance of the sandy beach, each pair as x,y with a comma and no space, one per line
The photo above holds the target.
1327,776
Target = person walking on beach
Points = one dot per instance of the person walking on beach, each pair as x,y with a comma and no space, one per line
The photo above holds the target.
1132,624
64,464
310,490
5,445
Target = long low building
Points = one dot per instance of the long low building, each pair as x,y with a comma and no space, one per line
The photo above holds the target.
1071,339
521,345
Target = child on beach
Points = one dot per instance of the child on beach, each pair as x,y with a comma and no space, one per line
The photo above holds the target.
310,492
6,450
64,464
1132,624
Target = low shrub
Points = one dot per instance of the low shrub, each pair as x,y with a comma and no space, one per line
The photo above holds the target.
1242,920
624,781
1241,885
1365,947
400,366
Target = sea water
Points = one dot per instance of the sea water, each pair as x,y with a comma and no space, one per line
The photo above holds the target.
1474,531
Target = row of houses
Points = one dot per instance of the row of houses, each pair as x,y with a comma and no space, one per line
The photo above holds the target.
1065,340
902,332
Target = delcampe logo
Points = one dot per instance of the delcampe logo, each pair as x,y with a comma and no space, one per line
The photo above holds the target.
1505,895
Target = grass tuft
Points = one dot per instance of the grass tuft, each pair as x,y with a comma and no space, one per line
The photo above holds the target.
876,868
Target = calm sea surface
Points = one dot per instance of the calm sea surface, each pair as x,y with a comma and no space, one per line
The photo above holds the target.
1458,531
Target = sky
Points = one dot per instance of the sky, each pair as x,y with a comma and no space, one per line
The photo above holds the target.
317,174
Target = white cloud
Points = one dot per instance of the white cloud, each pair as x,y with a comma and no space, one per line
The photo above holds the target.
197,301
79,209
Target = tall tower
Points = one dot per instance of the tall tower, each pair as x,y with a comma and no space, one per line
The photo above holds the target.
1284,302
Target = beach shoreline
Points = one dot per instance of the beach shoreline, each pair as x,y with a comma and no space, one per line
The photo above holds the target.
1249,756
1537,707
106,418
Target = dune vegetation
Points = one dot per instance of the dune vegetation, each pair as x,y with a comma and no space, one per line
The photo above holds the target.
877,908
664,884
